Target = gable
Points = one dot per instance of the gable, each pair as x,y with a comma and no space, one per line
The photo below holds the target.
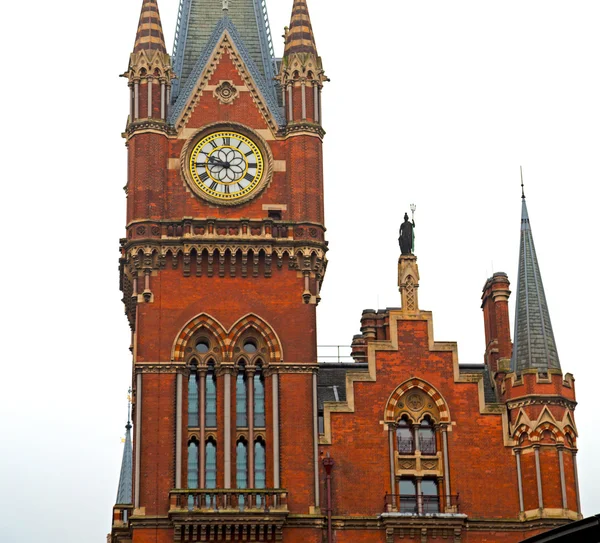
226,45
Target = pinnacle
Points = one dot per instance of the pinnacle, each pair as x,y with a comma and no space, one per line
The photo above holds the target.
300,37
150,34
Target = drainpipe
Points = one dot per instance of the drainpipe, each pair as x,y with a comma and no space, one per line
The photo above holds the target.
328,465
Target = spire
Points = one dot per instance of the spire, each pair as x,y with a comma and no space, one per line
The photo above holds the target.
125,492
196,24
150,34
299,38
534,347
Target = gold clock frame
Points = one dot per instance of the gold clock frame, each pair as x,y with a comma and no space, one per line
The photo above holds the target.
255,138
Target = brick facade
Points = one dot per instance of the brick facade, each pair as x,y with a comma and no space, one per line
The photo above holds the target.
214,292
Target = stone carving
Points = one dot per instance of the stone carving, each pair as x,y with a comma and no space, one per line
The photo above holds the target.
226,93
415,401
407,236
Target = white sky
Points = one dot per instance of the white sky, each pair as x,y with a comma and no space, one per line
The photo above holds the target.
451,97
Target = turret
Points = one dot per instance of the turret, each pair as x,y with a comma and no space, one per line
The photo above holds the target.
302,75
149,72
124,504
540,401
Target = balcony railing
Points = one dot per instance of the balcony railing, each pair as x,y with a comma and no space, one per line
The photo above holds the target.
421,504
229,500
406,445
427,445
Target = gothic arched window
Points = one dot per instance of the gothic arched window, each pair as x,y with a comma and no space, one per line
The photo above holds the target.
211,397
427,437
259,398
405,437
241,397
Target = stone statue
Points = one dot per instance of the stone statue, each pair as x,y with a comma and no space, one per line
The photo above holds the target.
407,236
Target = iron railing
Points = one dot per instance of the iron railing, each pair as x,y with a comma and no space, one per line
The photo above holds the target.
421,504
406,445
338,354
427,445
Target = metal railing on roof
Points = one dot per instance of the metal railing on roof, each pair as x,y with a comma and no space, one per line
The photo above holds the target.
337,354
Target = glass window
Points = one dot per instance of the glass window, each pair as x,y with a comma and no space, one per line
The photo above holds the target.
192,401
260,468
211,464
193,465
241,399
405,438
250,346
259,400
202,346
211,398
427,437
408,496
241,460
431,500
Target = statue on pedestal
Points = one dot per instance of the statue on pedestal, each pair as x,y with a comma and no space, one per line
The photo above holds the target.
407,236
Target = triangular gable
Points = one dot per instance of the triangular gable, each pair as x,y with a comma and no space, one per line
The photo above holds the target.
260,90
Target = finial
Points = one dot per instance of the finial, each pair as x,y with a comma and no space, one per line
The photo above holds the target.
129,408
225,6
522,185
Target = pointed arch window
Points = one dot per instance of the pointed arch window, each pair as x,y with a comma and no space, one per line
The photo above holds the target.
405,437
260,467
242,464
259,398
192,464
211,464
427,443
241,397
211,397
193,396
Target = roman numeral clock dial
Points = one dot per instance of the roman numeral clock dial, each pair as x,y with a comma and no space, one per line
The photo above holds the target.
226,167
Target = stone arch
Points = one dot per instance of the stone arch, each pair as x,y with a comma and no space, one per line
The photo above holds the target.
201,321
396,403
251,321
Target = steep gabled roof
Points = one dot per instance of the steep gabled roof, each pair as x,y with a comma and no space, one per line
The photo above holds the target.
534,347
196,29
266,89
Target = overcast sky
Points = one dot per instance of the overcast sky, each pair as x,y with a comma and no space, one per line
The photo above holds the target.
450,96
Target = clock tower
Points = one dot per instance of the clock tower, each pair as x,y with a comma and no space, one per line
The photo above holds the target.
221,270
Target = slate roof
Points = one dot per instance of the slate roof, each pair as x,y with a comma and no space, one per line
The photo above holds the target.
125,492
195,26
488,391
331,381
534,346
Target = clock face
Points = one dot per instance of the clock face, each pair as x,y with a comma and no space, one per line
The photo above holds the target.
226,166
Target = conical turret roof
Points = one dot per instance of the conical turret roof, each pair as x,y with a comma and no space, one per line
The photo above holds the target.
300,37
534,346
150,33
125,492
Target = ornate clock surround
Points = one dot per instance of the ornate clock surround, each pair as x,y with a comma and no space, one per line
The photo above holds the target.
257,139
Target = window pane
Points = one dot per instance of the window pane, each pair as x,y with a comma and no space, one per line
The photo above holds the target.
408,496
192,401
211,400
259,401
430,496
241,400
427,440
242,465
193,465
211,465
405,438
